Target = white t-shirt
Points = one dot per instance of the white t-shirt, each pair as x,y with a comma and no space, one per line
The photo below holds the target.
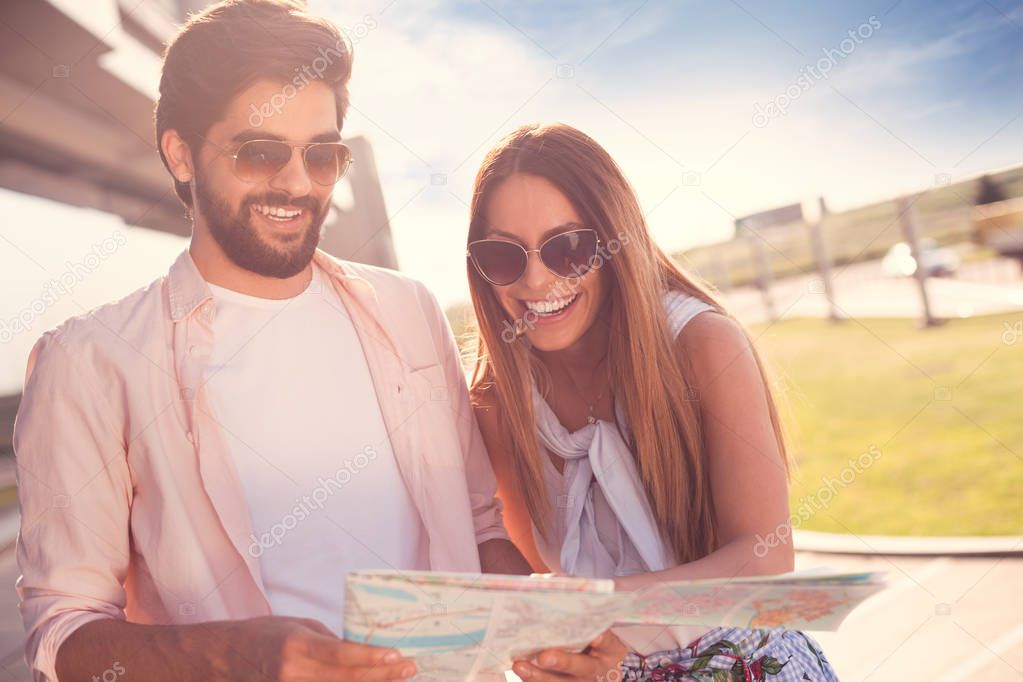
289,384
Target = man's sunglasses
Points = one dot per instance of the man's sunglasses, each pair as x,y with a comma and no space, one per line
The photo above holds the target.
569,254
259,160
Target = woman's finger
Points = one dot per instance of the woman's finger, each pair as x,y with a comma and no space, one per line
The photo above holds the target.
557,664
567,663
531,673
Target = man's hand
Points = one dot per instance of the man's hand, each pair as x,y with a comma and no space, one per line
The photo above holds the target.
602,658
266,649
281,649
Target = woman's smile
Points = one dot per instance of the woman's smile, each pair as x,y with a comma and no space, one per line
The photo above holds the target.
550,310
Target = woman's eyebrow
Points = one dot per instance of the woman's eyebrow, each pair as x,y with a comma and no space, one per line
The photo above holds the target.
564,227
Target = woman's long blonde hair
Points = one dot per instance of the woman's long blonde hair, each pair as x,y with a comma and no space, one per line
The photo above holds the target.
653,388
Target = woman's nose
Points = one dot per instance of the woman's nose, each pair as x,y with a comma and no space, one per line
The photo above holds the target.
537,276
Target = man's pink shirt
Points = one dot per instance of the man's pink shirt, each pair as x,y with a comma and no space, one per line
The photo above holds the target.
130,504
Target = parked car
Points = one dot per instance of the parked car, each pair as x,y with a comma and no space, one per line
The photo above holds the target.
935,261
999,225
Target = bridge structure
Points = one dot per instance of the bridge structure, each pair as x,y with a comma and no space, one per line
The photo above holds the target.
78,82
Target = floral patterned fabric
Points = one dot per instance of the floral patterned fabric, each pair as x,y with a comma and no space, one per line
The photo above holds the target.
735,654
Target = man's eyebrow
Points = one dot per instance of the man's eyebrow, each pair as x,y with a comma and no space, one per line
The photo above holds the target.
255,134
332,136
565,227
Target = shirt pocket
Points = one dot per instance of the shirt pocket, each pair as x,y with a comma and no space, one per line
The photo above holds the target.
431,410
428,384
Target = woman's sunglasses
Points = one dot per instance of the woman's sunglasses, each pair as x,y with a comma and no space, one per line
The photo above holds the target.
258,160
569,254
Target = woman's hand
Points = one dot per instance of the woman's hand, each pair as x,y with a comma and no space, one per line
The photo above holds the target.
631,583
603,656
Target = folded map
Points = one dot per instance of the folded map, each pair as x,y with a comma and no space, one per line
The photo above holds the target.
470,627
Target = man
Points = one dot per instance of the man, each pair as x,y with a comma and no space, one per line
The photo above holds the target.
201,462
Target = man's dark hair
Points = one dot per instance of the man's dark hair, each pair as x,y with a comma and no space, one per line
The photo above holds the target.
230,45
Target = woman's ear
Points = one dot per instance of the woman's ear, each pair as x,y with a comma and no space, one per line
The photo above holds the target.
178,155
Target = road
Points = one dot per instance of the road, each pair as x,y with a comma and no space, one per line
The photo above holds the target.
862,290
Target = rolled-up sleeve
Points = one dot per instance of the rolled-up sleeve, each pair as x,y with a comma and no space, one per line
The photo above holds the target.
487,518
74,492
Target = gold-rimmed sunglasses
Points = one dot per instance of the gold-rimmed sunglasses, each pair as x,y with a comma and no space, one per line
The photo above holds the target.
259,160
569,255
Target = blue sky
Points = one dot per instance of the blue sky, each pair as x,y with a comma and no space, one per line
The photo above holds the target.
670,88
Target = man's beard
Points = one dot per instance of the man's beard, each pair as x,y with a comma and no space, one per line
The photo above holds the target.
240,240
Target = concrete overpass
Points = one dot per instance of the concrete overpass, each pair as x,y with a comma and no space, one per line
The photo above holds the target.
77,85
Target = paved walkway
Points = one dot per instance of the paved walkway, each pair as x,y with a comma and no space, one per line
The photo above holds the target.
942,619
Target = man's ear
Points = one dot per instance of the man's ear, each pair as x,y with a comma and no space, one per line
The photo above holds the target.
178,155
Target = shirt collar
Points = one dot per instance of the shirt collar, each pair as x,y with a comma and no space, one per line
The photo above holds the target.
186,287
188,290
339,270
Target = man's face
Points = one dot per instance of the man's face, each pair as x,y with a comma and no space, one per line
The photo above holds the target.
235,211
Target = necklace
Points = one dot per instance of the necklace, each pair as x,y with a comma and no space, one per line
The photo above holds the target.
591,412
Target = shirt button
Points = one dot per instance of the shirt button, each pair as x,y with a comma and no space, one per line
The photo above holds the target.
193,351
191,437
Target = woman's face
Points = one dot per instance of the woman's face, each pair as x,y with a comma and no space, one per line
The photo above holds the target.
554,311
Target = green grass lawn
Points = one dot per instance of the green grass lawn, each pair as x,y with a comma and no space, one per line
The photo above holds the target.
941,407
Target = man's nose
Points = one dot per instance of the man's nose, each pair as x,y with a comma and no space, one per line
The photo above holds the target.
293,178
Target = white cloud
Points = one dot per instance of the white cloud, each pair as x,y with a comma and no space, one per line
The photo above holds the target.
433,91
891,65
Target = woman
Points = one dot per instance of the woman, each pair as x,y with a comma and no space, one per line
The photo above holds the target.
626,414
